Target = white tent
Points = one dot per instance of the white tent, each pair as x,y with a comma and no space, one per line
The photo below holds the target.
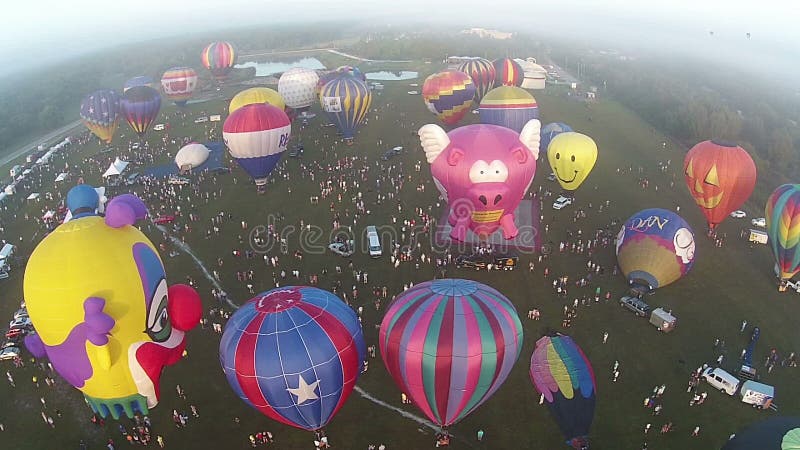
116,168
33,196
61,177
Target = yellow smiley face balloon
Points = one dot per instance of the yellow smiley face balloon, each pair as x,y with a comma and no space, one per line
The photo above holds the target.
571,156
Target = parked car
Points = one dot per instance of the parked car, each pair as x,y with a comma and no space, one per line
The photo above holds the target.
20,322
344,249
738,214
221,170
561,202
551,177
9,353
721,380
22,312
178,180
637,305
759,222
161,220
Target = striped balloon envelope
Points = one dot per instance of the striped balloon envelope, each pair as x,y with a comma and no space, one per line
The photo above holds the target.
219,58
346,100
482,73
508,72
562,373
783,227
140,106
448,94
100,112
449,344
179,84
257,136
293,353
256,95
508,106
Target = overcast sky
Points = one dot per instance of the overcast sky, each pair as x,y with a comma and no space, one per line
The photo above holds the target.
33,31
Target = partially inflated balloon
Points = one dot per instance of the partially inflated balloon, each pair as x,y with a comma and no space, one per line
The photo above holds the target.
297,86
450,344
482,73
509,107
179,83
507,72
140,106
551,130
256,136
142,80
100,112
352,71
191,156
448,94
572,157
109,324
346,100
219,58
293,353
256,95
776,433
654,248
783,226
720,177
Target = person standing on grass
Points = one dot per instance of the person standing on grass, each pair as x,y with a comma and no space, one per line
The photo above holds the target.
480,435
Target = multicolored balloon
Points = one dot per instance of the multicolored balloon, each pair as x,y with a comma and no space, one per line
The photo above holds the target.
508,72
448,94
109,324
783,227
256,95
219,58
257,136
179,84
297,87
508,106
552,130
450,344
346,100
720,177
776,433
140,107
482,172
142,80
654,248
100,112
562,373
572,157
482,73
293,353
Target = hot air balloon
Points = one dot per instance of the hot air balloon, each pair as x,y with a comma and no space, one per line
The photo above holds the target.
508,72
346,100
509,107
572,157
219,58
293,353
140,107
776,433
116,281
562,373
191,156
654,248
297,86
552,130
783,227
448,94
324,78
352,71
256,95
450,344
179,84
100,112
257,136
482,73
142,80
720,177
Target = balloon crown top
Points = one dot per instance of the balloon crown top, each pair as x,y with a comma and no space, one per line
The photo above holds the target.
723,143
454,287
278,300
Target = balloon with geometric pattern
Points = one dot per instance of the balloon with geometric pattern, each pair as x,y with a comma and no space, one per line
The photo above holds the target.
100,112
449,95
297,86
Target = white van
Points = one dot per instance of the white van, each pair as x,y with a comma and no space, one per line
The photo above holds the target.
721,380
6,252
757,394
374,242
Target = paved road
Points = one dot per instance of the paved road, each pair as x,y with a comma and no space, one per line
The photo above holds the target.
48,139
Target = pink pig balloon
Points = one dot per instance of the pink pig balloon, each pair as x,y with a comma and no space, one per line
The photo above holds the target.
483,172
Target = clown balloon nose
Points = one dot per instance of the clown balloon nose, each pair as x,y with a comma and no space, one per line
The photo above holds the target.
82,200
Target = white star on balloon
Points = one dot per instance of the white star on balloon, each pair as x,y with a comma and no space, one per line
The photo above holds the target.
304,391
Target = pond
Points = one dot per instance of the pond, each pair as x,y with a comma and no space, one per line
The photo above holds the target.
265,69
392,76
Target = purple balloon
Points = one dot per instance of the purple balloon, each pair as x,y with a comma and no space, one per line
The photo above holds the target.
125,209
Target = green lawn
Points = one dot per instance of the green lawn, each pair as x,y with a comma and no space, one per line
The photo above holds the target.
726,285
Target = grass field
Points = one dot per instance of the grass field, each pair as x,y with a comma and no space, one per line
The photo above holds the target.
725,286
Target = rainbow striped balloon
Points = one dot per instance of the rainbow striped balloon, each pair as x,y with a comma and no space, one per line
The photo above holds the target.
219,58
448,94
562,373
783,226
450,344
508,72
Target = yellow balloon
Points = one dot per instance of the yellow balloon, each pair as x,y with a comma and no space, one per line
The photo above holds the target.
572,157
256,95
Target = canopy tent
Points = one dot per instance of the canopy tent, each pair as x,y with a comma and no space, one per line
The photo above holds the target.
61,177
49,215
33,196
116,168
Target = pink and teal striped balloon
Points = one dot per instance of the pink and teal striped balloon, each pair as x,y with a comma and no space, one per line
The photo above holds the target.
449,345
783,227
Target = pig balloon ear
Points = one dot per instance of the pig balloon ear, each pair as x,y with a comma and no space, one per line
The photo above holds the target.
530,136
433,139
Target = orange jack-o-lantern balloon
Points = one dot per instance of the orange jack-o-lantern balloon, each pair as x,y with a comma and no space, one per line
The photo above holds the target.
720,176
